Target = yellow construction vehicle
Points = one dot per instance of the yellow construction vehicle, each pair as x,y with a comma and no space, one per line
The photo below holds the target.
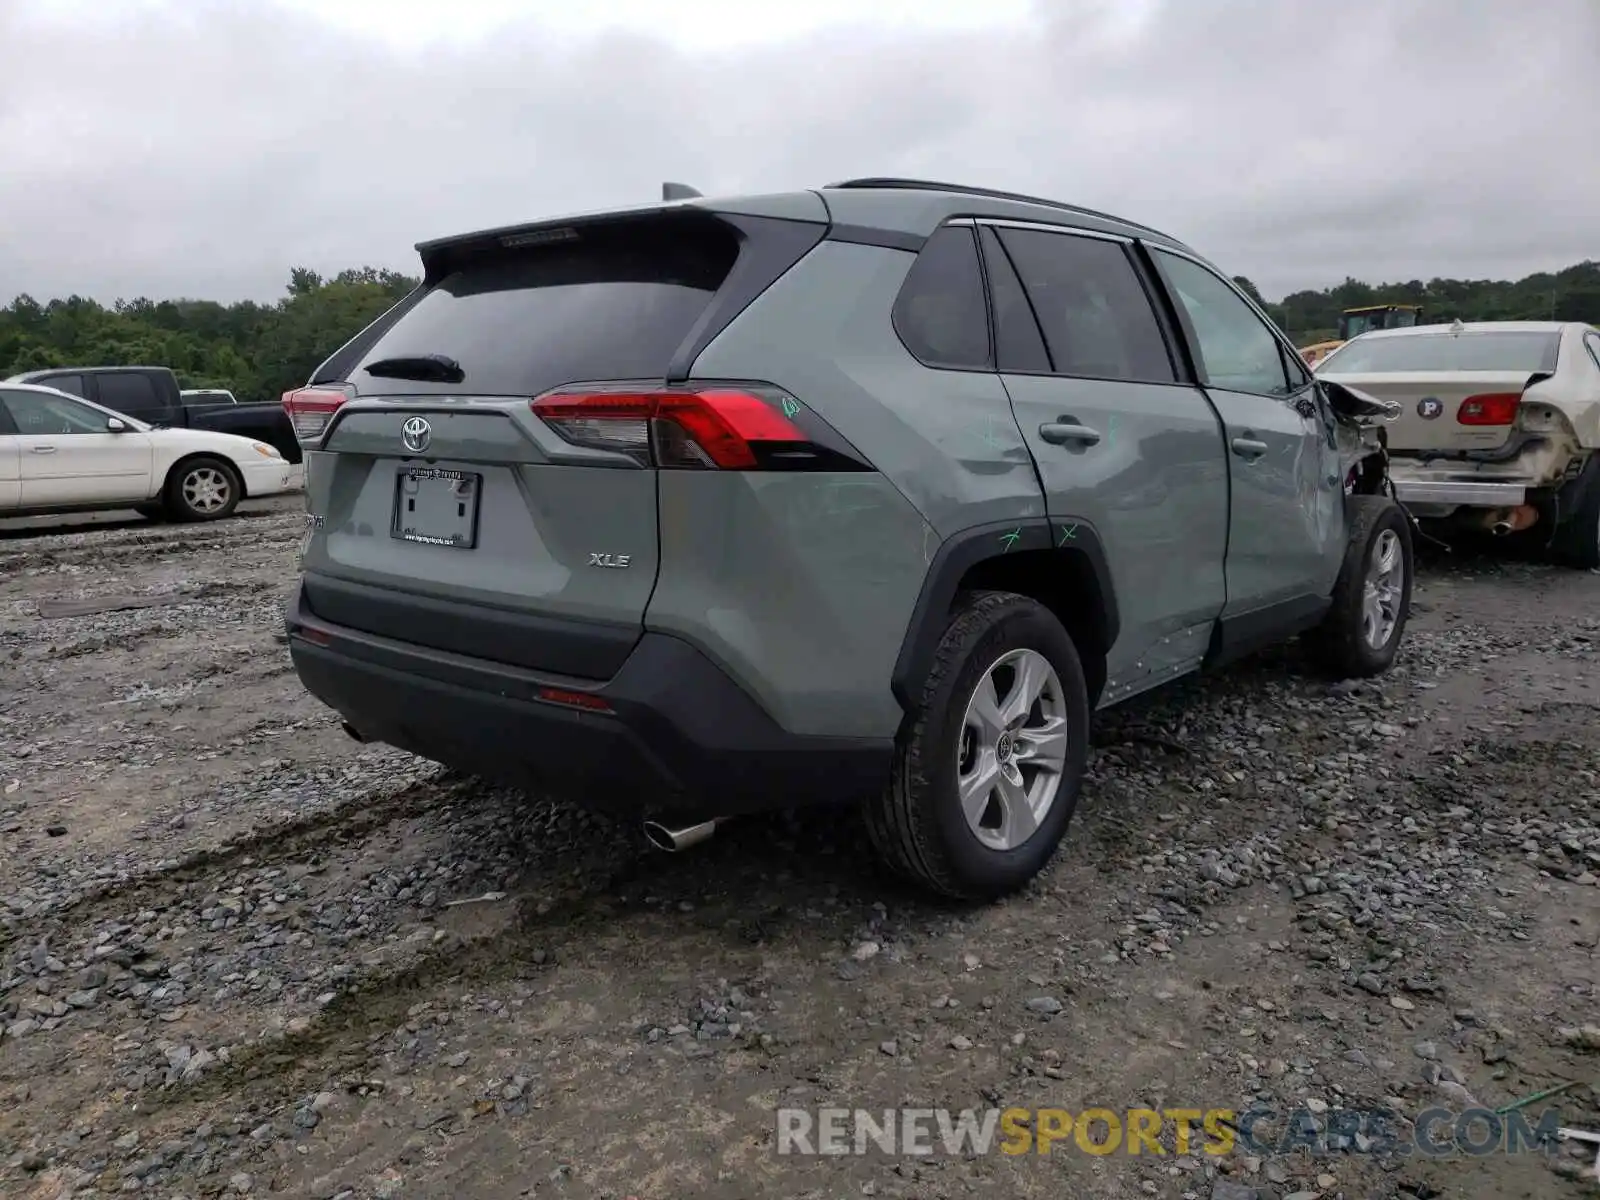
1355,321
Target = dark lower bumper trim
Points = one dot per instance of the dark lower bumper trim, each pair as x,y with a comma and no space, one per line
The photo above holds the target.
682,735
583,649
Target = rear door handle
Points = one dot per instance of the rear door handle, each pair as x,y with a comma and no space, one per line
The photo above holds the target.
1059,433
1248,447
44,449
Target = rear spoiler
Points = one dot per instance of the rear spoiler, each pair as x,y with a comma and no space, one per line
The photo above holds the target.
679,203
435,253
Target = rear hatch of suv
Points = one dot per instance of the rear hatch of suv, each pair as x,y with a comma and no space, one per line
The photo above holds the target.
483,461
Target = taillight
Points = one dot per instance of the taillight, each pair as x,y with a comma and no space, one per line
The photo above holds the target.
311,408
1492,408
717,428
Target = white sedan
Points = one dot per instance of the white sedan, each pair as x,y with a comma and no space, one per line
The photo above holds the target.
1497,424
59,453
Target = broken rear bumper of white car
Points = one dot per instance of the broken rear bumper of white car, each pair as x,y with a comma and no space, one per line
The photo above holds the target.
1520,489
1433,490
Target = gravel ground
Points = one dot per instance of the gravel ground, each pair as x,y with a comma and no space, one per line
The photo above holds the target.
241,954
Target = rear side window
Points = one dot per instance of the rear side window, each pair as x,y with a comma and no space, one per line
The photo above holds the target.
71,384
1097,320
1512,350
940,313
39,414
1592,342
616,304
129,393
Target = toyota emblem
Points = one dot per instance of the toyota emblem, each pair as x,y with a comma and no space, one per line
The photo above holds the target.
1429,407
416,433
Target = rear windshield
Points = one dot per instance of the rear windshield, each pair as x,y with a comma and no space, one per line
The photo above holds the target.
1518,350
615,305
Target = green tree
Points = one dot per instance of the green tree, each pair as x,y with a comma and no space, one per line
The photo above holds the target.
1249,289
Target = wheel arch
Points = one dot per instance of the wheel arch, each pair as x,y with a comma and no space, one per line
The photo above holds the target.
1060,562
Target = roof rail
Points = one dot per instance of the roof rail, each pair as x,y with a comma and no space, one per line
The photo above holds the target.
928,185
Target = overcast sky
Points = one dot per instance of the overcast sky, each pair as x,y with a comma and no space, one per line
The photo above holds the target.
203,147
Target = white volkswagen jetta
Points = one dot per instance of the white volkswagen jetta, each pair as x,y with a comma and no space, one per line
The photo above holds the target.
59,453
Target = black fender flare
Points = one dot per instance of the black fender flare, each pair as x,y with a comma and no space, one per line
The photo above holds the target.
962,551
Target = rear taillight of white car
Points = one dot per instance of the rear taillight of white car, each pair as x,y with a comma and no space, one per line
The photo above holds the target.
1491,408
732,427
311,408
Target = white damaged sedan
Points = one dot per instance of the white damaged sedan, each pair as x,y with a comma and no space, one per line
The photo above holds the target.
60,453
1496,425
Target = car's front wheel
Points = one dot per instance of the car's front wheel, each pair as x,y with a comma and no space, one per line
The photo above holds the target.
987,774
202,489
1361,633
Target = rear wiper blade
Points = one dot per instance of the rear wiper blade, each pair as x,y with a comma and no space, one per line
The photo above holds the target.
428,368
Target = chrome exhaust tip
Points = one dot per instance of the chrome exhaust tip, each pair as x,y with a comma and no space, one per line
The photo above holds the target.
1503,521
674,839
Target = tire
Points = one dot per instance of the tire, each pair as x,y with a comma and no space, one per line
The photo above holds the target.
1345,645
1577,539
203,489
918,825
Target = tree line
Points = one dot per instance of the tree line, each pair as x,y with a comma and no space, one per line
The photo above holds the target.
1571,294
259,351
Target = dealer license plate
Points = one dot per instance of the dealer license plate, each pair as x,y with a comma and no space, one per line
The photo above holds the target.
437,507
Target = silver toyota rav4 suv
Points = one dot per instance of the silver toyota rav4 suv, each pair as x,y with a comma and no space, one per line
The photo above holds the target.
869,493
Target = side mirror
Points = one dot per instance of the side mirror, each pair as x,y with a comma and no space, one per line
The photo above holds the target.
116,425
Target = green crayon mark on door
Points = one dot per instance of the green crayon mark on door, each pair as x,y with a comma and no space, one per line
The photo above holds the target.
992,433
1069,533
1012,538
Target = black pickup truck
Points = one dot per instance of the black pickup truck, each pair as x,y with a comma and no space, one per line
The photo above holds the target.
152,395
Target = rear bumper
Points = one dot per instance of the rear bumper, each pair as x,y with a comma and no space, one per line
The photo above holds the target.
680,735
1456,492
1530,469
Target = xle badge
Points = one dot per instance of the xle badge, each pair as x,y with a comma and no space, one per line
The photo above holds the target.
1429,407
610,560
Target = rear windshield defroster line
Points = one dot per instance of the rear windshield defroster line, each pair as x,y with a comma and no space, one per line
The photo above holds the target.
615,305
